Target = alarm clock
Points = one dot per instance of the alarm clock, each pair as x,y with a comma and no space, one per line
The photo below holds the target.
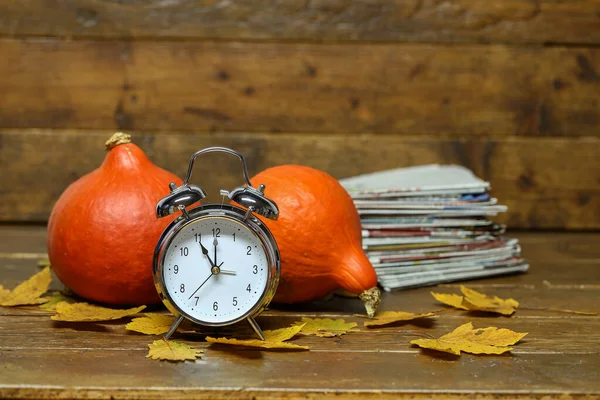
216,264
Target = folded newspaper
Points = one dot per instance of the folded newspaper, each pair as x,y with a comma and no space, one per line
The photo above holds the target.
429,224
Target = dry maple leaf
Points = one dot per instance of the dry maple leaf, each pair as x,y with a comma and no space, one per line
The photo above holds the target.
324,327
476,301
390,317
453,300
54,299
273,339
172,351
151,324
28,292
83,312
4,293
476,341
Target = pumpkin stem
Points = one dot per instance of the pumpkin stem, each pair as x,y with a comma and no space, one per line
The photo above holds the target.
116,140
371,299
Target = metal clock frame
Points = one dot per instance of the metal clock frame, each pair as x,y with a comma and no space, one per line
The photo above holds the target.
252,199
235,214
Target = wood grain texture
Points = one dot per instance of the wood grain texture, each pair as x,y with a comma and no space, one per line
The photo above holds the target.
547,183
514,21
466,90
558,359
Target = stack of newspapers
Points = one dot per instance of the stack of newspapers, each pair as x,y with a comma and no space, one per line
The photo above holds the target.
430,224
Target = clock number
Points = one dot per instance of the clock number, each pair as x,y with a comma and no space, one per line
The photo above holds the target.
198,237
215,306
184,251
235,301
248,289
182,288
234,236
216,232
176,269
255,269
249,250
197,298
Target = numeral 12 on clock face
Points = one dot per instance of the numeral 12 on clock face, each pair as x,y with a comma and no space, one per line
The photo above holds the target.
215,270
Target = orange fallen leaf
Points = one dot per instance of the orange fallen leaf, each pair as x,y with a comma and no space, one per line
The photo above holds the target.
476,341
172,351
83,312
274,339
390,317
151,324
28,292
324,327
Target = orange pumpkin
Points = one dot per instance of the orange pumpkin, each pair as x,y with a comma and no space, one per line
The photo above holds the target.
319,236
103,228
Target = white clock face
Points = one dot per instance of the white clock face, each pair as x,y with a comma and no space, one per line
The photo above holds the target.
215,270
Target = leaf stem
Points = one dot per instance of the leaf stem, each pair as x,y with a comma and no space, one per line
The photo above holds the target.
559,310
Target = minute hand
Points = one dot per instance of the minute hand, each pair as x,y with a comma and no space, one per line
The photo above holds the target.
215,243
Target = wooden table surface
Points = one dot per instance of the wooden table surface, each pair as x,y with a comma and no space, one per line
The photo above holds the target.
560,357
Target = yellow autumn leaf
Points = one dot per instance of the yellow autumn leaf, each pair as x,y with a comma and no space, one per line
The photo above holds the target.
172,351
54,299
273,339
28,292
83,312
4,293
324,327
390,317
453,300
476,341
151,324
476,301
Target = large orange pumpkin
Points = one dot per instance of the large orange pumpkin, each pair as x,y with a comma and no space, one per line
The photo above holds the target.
319,236
103,228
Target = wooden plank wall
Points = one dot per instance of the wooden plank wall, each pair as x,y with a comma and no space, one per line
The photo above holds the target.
509,88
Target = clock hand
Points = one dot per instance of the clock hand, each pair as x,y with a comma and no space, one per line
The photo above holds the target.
225,271
215,243
205,252
206,280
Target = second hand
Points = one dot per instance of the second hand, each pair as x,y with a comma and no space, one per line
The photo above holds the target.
206,280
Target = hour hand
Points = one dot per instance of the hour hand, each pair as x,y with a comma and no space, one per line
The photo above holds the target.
204,249
205,252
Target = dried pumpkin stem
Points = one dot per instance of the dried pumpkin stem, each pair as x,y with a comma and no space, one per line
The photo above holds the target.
371,299
116,140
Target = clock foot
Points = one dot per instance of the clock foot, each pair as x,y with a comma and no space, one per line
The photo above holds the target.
174,327
256,328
